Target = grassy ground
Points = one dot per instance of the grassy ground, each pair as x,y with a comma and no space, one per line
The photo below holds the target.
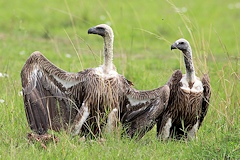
144,32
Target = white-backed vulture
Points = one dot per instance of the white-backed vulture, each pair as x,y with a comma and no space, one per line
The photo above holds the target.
83,101
188,102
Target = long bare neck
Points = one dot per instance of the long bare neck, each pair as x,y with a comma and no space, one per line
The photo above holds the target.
190,72
108,54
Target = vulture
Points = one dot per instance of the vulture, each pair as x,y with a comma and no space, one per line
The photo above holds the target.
188,101
87,101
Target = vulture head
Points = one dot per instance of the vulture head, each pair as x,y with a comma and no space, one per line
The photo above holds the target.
181,44
102,30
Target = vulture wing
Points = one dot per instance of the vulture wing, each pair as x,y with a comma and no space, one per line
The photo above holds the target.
206,97
173,84
141,116
46,87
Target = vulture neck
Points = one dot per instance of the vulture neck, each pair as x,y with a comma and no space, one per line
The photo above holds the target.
190,72
108,54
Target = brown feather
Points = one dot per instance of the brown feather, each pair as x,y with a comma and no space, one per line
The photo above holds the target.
46,103
140,119
184,108
49,104
206,97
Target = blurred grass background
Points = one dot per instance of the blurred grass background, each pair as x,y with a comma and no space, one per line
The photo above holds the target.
144,31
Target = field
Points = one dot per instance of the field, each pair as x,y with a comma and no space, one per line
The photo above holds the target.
144,32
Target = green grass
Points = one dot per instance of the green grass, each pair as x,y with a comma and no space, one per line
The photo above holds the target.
144,31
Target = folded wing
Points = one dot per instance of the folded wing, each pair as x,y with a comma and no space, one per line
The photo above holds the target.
206,97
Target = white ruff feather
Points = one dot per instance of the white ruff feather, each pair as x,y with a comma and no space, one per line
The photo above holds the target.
111,74
197,86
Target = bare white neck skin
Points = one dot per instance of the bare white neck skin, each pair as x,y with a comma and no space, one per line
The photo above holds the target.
108,54
190,72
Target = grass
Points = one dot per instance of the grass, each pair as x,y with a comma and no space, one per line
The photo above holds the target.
144,32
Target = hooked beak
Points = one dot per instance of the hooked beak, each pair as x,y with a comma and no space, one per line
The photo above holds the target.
173,46
92,30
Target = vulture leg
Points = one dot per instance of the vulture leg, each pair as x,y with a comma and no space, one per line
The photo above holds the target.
80,118
112,121
163,128
192,133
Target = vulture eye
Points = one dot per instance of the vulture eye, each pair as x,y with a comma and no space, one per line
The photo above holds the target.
181,42
100,28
